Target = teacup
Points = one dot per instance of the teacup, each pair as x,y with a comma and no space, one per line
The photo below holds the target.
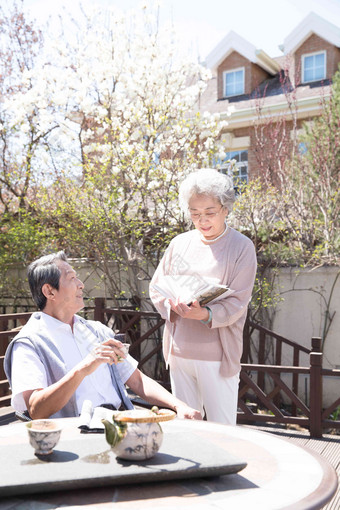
43,435
125,349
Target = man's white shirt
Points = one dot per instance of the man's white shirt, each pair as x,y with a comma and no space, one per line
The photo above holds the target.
28,372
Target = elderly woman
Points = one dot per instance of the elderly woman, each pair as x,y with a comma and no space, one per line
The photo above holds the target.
203,344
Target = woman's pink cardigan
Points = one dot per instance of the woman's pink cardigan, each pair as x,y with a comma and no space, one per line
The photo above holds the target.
238,261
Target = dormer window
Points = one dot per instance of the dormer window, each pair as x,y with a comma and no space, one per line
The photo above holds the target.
313,67
233,82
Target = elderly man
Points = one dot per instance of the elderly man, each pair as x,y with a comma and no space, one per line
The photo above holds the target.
59,359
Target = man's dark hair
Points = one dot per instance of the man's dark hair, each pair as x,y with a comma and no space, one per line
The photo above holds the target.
41,271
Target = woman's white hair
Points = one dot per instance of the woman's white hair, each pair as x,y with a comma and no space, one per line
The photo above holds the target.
207,181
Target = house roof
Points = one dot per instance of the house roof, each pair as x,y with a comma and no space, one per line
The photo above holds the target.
309,25
234,42
270,96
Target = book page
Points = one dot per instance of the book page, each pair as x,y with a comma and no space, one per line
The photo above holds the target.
99,414
90,419
86,414
190,287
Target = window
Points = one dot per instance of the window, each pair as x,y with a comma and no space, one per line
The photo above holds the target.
302,148
314,67
237,170
234,82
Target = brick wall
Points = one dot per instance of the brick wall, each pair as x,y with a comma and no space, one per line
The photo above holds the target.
254,74
277,145
268,152
314,44
253,167
233,61
257,76
241,132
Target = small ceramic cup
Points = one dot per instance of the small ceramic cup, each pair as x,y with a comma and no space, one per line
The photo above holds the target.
43,435
125,349
121,337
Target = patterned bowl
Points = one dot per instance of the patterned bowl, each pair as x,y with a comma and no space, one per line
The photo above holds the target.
43,435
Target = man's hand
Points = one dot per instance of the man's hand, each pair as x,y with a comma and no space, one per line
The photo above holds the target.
110,351
185,412
155,394
195,311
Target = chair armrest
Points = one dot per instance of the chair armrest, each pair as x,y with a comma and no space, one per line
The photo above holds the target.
23,416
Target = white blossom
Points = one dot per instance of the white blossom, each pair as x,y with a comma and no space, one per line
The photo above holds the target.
117,89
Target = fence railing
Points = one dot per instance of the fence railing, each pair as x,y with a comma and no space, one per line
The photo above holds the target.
312,417
9,327
265,394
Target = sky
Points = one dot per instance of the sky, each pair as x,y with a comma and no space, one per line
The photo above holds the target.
202,24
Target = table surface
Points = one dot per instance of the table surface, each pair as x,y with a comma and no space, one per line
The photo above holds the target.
278,475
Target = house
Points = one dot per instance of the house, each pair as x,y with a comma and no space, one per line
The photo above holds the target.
263,90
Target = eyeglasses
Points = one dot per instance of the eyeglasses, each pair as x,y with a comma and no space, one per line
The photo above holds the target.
204,216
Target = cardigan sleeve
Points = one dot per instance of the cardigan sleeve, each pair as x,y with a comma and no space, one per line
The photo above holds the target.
161,303
227,311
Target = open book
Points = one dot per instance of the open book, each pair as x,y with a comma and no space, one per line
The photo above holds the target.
190,287
90,419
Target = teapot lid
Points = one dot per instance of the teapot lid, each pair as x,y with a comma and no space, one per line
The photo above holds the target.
145,415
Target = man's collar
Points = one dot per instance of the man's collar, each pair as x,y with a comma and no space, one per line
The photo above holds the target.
54,323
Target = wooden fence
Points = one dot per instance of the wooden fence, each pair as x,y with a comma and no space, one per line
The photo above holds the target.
269,393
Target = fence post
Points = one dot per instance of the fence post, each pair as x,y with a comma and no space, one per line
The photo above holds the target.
316,344
246,343
3,324
261,358
99,305
315,392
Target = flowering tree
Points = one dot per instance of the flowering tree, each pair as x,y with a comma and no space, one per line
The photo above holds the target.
18,145
24,131
121,129
28,116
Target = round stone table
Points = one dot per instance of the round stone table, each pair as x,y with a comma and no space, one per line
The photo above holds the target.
266,472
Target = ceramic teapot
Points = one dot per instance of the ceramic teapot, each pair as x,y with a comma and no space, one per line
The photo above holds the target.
136,434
